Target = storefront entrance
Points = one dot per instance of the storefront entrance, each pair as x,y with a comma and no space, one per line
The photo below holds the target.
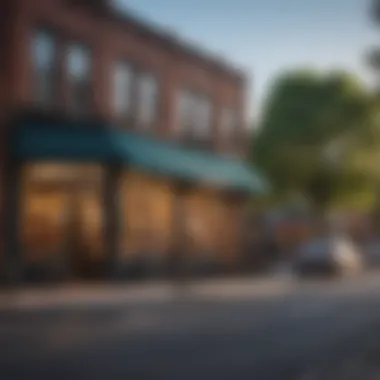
68,219
62,221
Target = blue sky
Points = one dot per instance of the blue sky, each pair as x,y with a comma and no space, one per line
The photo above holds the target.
267,36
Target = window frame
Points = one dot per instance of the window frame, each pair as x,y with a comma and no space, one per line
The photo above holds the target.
87,81
228,121
151,124
205,104
184,122
190,129
129,114
52,99
230,133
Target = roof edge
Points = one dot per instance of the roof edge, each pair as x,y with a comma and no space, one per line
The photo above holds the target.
164,37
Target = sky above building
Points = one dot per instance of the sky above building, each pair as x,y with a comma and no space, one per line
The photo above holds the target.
267,36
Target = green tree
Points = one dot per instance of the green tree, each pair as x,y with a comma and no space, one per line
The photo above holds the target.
373,56
373,59
317,136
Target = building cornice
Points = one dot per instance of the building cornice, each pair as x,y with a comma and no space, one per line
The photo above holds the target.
161,37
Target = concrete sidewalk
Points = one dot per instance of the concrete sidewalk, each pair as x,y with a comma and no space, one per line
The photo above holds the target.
110,295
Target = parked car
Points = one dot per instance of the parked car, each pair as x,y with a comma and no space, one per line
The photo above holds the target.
372,252
336,255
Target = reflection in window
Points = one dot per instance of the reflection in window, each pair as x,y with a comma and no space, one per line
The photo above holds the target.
79,75
202,111
185,106
44,65
122,90
147,94
62,202
229,128
228,124
195,114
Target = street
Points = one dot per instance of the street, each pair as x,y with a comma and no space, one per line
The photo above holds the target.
224,331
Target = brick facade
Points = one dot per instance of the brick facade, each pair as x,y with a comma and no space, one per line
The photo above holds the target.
112,37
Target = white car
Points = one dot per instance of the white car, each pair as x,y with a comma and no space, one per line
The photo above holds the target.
372,251
335,255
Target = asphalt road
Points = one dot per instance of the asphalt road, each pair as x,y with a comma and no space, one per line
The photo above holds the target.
240,336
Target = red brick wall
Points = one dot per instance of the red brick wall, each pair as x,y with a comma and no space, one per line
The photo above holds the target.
7,26
111,41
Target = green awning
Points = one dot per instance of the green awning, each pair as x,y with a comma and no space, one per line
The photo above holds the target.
34,143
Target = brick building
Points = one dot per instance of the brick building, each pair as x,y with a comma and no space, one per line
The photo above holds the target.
122,146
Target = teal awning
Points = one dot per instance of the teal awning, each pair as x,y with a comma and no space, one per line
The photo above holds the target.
35,143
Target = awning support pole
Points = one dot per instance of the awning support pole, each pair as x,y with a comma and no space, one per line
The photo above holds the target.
14,254
179,230
113,212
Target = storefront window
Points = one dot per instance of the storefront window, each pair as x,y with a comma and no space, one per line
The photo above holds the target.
62,217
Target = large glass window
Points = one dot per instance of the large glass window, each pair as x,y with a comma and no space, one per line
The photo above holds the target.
202,109
195,114
147,99
185,106
229,129
44,54
228,124
62,217
79,74
122,90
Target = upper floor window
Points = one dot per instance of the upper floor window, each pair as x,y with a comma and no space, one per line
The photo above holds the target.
195,114
185,115
122,89
228,123
147,100
202,109
79,75
45,67
229,128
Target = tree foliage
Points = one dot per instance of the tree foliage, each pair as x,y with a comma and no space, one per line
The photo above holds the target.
317,136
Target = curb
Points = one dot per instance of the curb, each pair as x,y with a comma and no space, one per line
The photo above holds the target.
108,296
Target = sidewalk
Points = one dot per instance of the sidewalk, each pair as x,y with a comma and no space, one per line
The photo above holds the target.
113,295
